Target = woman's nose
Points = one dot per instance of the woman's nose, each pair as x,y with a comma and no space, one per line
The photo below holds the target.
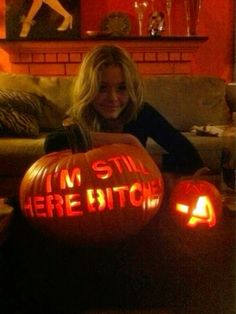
113,94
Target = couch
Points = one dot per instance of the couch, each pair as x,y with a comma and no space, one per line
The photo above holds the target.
38,104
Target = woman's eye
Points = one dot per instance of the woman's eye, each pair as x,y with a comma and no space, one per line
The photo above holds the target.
102,89
122,88
106,89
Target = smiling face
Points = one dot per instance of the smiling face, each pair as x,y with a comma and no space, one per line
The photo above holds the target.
112,97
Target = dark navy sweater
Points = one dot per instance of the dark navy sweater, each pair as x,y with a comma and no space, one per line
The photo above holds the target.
181,156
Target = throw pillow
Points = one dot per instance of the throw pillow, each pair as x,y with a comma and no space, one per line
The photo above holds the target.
18,123
187,100
19,113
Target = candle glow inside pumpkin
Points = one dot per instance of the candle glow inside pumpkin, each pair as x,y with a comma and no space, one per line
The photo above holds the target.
101,195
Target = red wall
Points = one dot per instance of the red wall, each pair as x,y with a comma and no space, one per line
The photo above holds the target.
215,57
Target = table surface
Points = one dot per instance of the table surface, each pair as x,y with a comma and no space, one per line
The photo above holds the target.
164,266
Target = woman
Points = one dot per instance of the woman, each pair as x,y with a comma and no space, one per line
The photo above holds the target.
53,4
108,97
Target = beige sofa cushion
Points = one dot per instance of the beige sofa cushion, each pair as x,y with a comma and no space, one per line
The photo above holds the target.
184,100
188,100
209,148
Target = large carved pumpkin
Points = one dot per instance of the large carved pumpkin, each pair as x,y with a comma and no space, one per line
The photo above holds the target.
196,203
99,196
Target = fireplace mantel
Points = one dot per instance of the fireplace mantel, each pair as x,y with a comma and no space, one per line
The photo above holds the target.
161,55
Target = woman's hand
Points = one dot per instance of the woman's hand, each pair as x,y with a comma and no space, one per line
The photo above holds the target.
96,139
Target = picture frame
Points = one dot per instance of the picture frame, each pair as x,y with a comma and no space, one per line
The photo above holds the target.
35,20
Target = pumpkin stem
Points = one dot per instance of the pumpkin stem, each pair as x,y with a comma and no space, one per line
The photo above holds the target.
79,139
200,172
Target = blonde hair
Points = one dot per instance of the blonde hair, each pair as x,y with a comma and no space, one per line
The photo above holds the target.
87,83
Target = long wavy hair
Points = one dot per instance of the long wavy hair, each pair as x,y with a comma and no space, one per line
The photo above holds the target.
87,84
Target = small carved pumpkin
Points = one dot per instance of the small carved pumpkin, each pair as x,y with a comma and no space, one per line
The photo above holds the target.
196,202
94,197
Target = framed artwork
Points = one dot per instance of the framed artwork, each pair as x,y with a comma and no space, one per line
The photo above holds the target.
47,19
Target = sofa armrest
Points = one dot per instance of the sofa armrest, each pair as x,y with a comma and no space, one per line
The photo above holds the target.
231,96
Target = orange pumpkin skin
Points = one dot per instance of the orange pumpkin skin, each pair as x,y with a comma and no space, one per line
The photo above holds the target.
196,203
97,197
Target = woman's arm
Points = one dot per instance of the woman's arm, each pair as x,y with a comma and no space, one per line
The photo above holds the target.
182,156
58,140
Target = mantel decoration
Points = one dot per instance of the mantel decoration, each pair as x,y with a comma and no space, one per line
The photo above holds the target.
116,24
140,7
156,23
169,10
192,11
95,197
54,19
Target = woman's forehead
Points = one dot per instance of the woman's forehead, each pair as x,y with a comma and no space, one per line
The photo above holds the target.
112,73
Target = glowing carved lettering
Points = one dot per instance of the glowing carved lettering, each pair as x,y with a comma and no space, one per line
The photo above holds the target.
117,162
121,192
144,195
109,195
151,192
28,207
103,171
101,199
91,201
49,183
54,203
72,203
39,207
127,164
203,213
67,180
136,195
96,200
182,208
135,167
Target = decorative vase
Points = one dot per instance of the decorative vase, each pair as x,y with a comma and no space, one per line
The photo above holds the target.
169,10
192,10
140,8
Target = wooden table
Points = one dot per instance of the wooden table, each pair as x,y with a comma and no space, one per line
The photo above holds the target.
163,267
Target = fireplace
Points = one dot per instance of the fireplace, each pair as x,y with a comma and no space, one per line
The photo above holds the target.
162,55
